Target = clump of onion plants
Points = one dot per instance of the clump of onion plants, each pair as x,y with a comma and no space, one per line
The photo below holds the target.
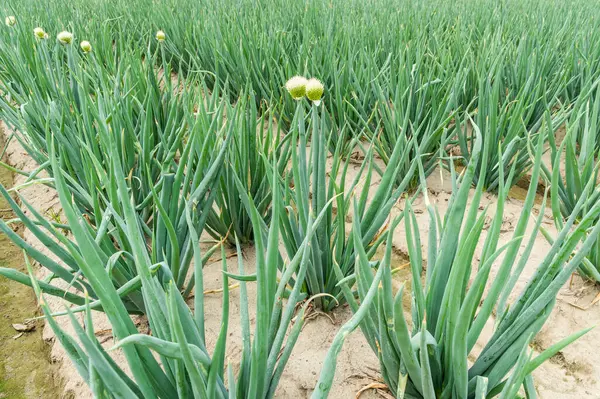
178,340
578,154
437,350
171,143
82,100
255,143
508,121
413,105
190,174
310,185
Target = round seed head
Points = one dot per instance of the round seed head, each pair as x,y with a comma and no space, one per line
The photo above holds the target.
161,36
296,86
10,20
314,90
39,33
86,46
65,37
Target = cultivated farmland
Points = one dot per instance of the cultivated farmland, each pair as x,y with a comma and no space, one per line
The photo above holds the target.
322,198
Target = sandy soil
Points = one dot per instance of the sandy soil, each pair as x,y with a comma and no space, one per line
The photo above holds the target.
26,371
358,364
571,374
45,200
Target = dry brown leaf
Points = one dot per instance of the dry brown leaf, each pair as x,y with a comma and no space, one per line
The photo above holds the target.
23,327
594,301
373,385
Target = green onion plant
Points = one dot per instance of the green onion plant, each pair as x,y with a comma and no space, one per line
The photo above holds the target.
438,349
310,186
574,166
178,337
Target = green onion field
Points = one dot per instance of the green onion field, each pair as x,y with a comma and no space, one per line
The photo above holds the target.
251,199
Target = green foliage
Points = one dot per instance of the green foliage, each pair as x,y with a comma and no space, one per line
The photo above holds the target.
311,185
187,369
432,354
573,173
255,143
190,155
152,141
